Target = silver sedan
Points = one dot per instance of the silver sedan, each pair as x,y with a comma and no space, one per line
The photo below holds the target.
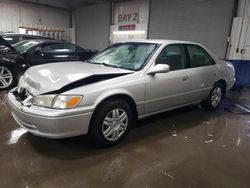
131,80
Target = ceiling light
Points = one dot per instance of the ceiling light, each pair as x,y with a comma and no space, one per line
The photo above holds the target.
128,32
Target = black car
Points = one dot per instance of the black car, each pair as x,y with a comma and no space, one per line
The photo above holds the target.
14,60
14,38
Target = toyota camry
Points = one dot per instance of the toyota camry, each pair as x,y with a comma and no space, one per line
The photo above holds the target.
103,96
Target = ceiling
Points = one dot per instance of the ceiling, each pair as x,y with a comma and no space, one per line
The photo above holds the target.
68,4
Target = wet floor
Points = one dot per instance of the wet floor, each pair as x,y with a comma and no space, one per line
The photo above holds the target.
182,148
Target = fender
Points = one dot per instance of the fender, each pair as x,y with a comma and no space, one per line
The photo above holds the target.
111,93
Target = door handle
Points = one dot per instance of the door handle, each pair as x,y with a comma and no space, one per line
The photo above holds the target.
185,78
215,73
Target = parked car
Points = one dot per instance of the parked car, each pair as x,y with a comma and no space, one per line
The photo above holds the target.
103,96
14,60
14,38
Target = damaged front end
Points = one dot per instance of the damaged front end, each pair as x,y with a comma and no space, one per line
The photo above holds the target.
55,99
22,96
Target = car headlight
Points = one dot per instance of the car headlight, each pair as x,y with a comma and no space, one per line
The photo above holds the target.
57,101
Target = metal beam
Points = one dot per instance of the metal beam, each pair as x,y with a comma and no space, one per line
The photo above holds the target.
64,4
68,4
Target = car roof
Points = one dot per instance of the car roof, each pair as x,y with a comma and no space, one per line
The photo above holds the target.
159,41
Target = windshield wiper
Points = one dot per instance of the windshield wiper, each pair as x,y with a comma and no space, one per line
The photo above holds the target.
102,63
109,65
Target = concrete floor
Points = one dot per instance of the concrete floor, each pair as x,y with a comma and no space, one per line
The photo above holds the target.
183,148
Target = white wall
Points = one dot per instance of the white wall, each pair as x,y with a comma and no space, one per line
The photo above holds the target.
15,13
239,47
133,13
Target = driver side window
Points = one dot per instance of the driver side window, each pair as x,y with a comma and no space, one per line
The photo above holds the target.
172,55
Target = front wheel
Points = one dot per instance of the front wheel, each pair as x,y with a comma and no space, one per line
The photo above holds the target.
6,78
111,122
215,97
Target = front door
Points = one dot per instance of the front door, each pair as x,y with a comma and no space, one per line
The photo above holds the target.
172,89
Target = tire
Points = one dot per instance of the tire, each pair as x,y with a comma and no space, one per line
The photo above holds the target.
215,97
111,122
7,78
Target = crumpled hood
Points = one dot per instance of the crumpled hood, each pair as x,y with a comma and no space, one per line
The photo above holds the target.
53,77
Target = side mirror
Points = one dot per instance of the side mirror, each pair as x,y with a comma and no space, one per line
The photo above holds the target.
38,49
159,68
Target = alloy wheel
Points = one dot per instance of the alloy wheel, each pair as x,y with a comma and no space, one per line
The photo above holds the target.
6,77
216,96
115,124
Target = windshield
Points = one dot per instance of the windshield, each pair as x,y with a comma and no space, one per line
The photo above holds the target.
23,46
130,56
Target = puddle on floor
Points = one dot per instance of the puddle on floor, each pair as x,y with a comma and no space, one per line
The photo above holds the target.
15,135
4,108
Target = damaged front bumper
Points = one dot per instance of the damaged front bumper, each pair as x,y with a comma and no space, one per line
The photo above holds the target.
49,123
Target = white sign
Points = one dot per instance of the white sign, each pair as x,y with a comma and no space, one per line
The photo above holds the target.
130,20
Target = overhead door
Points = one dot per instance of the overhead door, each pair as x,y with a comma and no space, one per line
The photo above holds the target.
204,21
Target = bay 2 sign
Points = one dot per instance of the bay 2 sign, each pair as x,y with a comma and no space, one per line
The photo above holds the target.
128,17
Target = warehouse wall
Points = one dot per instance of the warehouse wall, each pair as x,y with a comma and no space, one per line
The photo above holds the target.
204,21
92,25
25,14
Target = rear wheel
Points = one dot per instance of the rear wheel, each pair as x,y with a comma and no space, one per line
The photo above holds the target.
111,122
215,97
6,78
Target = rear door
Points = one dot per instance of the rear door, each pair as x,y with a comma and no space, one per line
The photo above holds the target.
203,71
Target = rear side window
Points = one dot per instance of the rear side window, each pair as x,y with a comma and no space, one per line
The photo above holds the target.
173,56
198,57
59,48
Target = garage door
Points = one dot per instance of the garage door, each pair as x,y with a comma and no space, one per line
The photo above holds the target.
204,21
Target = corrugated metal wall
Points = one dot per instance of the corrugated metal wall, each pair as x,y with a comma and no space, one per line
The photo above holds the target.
204,21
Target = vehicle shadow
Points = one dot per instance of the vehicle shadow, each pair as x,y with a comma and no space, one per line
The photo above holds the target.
144,131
